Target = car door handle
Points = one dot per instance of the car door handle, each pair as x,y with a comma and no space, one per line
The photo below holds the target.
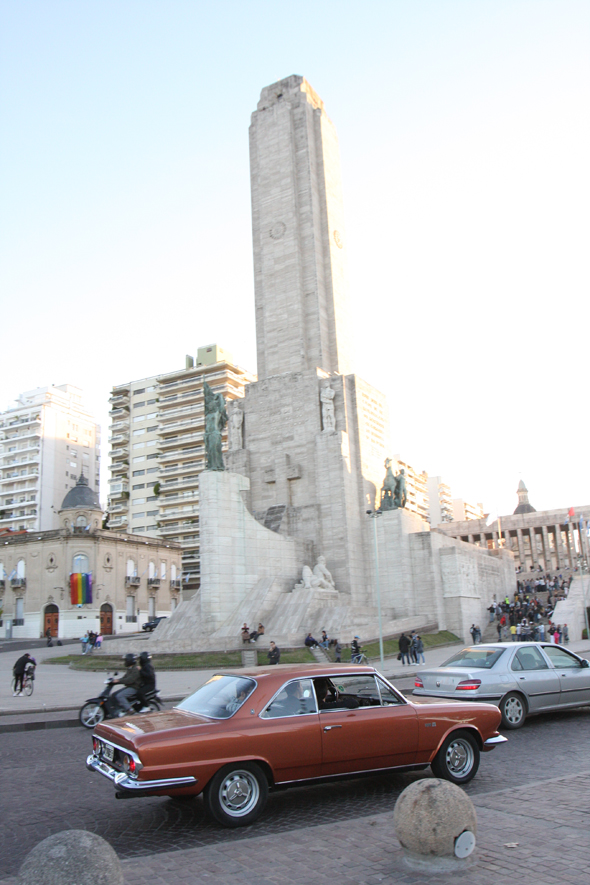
330,727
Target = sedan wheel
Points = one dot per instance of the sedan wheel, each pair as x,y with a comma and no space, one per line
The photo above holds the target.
513,710
457,760
237,794
91,714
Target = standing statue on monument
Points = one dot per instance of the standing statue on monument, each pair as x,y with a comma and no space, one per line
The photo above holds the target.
401,495
215,421
236,419
328,416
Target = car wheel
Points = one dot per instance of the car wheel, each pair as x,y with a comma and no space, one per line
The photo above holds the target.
513,710
237,794
91,714
457,760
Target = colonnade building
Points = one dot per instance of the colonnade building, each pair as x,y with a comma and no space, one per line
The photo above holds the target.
547,540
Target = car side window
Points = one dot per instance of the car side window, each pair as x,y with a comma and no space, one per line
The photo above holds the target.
529,659
296,698
561,658
388,696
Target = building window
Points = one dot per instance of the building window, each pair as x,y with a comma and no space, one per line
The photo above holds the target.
151,569
139,485
152,469
131,617
138,391
80,564
151,457
137,460
139,472
138,405
21,569
131,570
138,515
151,429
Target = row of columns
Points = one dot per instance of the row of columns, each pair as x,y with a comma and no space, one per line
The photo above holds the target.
563,553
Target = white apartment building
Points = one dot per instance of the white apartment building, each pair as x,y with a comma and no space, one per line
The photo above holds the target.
46,441
416,486
463,510
157,452
440,502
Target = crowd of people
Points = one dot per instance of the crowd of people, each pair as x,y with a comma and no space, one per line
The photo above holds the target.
522,619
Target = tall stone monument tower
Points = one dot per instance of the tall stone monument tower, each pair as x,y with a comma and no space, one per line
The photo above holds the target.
302,313
314,436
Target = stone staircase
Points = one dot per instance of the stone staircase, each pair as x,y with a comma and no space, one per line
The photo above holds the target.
321,655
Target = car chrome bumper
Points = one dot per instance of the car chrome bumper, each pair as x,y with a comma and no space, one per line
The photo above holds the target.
493,742
122,781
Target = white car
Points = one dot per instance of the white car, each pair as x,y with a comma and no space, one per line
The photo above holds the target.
521,678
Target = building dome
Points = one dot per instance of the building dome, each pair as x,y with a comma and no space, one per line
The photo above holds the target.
524,506
81,497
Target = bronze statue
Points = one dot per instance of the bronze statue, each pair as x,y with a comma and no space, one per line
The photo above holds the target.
215,421
388,488
394,494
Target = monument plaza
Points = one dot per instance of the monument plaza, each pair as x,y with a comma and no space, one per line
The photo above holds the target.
284,533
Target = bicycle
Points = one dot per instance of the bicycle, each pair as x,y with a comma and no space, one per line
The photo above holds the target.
28,684
359,659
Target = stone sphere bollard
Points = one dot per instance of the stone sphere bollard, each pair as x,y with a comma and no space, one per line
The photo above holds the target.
436,825
72,857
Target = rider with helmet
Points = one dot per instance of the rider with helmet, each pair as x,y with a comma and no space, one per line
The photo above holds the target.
131,679
148,679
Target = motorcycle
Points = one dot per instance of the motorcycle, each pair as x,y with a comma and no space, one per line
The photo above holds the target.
106,706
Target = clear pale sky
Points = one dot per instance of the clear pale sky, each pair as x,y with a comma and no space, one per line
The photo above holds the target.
464,129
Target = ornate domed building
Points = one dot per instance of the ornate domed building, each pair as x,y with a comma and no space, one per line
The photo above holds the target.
82,577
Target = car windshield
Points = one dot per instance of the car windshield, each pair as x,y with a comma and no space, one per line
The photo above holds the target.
477,658
220,697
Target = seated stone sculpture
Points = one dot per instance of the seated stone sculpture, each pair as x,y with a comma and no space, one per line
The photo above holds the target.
325,579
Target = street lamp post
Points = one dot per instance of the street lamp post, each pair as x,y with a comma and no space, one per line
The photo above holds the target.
373,514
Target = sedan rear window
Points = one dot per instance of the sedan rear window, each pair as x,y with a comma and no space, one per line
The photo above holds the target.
475,658
220,697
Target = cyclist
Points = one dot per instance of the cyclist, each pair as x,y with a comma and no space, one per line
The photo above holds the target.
355,651
18,672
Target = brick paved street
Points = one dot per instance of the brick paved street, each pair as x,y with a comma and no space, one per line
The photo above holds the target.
535,790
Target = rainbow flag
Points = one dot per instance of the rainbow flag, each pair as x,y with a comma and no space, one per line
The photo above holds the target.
81,588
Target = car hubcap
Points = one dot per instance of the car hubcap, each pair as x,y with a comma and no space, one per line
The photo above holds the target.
239,793
459,758
513,710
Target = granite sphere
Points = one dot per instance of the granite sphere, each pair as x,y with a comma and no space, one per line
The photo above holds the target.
72,857
430,815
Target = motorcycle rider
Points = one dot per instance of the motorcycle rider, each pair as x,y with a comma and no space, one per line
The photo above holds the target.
131,679
148,679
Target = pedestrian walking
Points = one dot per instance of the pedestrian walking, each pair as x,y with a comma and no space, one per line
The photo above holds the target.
419,648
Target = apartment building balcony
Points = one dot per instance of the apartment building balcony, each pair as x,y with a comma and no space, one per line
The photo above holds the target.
119,412
120,522
175,512
23,420
117,438
176,584
178,483
177,529
184,497
120,426
122,452
119,400
182,439
118,488
11,475
185,411
20,583
132,581
118,468
118,508
154,583
195,452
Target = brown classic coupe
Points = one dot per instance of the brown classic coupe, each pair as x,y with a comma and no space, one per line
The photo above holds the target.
241,734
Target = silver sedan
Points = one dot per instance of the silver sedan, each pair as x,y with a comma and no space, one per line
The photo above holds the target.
520,678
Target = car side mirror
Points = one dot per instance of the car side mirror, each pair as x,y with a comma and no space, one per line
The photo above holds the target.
585,664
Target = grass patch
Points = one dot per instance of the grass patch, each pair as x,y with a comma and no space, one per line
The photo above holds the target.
212,660
193,661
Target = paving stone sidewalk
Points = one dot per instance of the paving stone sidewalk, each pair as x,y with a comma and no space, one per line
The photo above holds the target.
548,820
